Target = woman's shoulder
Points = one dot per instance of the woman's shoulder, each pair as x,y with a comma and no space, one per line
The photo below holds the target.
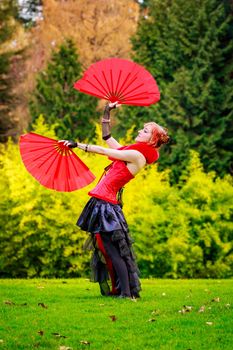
149,152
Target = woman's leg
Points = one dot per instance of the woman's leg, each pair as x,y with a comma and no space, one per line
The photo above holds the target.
118,263
108,263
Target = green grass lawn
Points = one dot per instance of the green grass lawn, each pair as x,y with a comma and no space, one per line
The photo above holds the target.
166,317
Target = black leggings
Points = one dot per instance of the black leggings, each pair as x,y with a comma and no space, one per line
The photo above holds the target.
118,263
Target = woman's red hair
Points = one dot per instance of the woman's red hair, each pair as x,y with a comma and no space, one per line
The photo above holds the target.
159,135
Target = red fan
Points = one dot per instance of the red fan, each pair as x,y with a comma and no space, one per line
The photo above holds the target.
54,165
119,80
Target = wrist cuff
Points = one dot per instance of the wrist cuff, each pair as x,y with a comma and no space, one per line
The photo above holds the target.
106,137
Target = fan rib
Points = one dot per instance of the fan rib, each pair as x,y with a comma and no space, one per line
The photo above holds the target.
39,157
35,149
86,175
112,83
40,136
119,77
123,83
103,87
42,142
103,73
131,91
96,87
138,98
57,169
51,163
126,93
68,175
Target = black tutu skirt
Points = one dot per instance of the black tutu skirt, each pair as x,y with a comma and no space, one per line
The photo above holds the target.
99,216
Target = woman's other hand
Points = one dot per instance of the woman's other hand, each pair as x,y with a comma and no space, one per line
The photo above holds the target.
69,143
112,105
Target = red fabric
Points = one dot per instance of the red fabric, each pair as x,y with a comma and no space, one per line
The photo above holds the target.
108,262
116,177
121,80
149,152
54,165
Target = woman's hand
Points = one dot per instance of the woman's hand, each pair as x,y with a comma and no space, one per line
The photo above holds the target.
112,105
69,143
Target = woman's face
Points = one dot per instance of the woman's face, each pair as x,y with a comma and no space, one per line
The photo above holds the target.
144,135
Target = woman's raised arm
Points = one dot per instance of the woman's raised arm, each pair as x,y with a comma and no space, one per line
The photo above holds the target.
113,143
106,131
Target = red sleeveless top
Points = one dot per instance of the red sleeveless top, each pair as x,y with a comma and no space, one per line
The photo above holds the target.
118,174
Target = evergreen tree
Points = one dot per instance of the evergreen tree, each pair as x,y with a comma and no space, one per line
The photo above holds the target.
188,48
71,112
7,11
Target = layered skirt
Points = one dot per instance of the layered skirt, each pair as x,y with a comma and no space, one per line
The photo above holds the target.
101,218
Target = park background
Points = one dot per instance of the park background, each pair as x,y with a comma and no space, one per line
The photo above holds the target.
179,211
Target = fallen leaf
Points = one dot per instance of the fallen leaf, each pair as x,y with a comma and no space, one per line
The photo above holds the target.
207,291
202,308
40,333
209,323
113,317
58,335
85,342
188,307
155,312
183,311
217,300
24,304
36,345
43,305
65,348
8,302
151,320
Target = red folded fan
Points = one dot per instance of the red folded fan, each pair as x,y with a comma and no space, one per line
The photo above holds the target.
115,79
54,165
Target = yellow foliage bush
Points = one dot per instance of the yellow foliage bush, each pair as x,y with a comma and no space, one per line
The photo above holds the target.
179,231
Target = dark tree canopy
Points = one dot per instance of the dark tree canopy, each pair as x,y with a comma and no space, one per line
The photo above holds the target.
72,112
188,47
8,11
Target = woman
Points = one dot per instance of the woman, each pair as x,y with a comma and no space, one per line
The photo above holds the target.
103,216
